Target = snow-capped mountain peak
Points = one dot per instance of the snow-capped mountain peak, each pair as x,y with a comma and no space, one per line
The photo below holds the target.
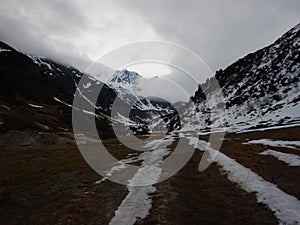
125,77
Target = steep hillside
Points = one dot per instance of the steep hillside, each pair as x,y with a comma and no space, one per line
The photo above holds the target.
37,94
261,89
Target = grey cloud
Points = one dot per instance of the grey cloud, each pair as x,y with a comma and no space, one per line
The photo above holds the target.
42,28
219,31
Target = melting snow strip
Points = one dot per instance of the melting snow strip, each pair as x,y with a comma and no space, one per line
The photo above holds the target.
4,50
35,106
6,107
277,143
122,164
290,159
138,203
269,128
286,207
87,85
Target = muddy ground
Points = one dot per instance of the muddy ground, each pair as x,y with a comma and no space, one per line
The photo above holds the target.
52,184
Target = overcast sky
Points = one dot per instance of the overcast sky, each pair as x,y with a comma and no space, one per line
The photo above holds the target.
79,31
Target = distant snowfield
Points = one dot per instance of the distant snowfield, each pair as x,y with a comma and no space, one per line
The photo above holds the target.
290,159
276,143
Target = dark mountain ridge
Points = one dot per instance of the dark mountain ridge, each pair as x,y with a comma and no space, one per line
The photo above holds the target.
37,94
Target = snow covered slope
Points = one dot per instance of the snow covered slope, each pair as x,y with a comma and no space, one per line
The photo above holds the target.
260,90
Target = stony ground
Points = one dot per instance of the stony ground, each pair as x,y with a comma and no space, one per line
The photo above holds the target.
54,185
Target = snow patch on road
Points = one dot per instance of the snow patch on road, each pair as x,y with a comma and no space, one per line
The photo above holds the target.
138,202
136,205
290,159
6,107
194,141
277,143
4,50
35,106
269,128
87,85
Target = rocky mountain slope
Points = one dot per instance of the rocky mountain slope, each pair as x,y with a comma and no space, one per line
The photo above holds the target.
37,94
259,90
